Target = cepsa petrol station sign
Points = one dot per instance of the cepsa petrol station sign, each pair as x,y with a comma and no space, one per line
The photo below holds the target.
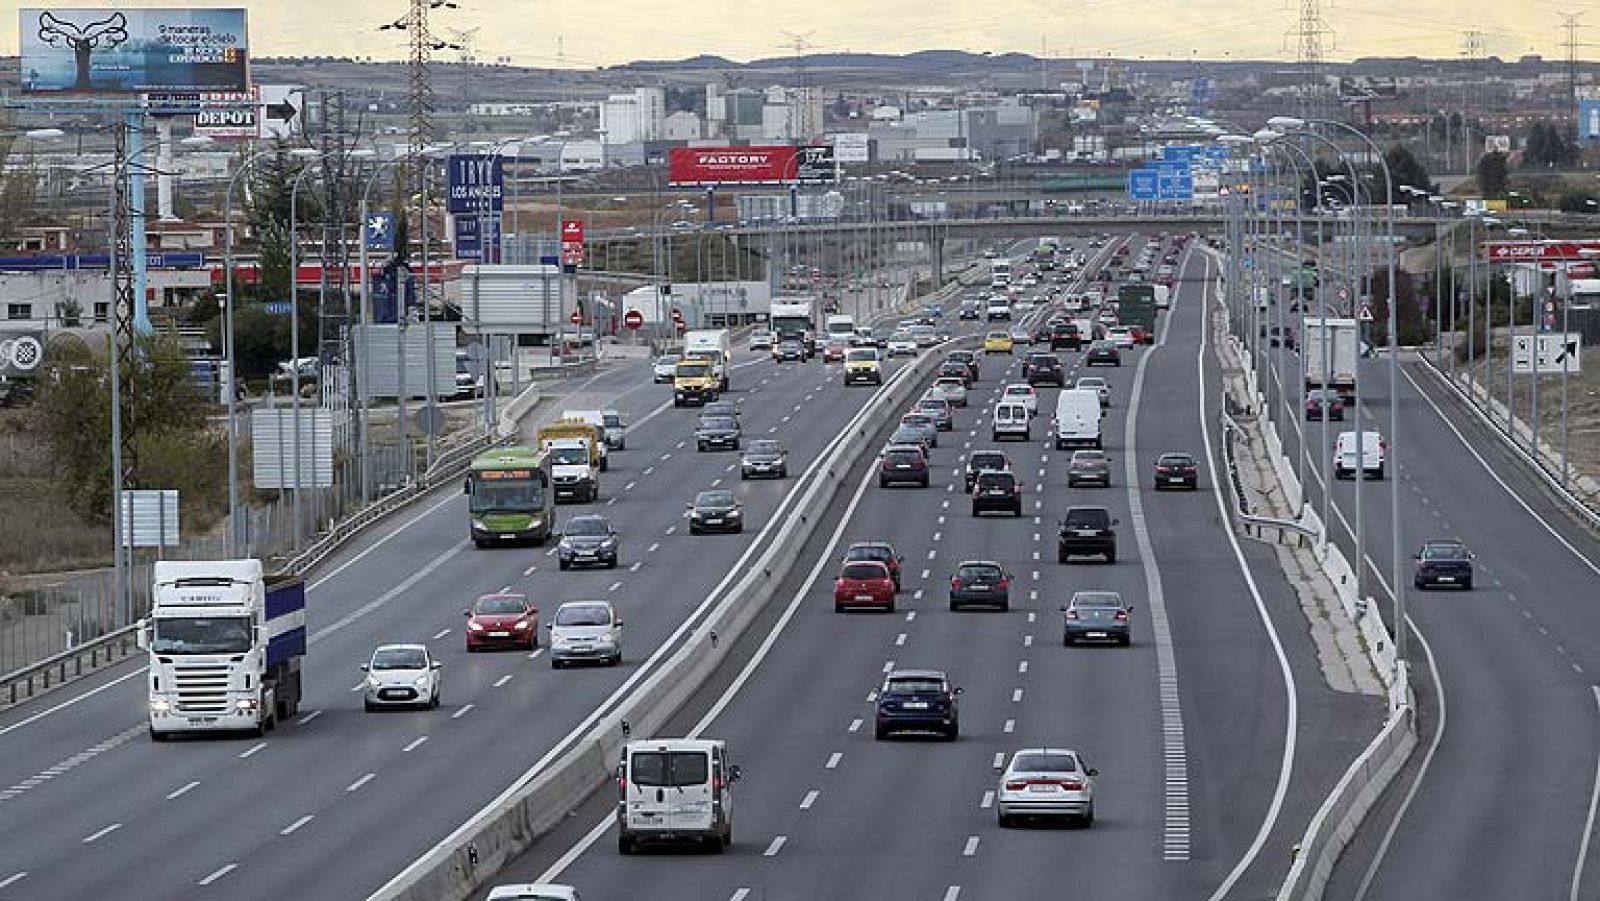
1540,251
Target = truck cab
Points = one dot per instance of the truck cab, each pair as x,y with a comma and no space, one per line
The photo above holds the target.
575,449
715,346
694,381
224,642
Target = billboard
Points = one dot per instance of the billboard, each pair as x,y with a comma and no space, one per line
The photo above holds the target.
731,165
1540,251
110,51
1589,120
816,165
474,179
235,114
851,147
572,242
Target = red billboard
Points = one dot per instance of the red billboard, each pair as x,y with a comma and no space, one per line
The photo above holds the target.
1540,251
731,165
572,242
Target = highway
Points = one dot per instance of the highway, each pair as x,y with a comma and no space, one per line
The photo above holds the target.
1203,787
1499,801
333,804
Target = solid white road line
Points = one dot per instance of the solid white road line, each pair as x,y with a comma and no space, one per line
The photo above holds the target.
855,725
462,711
1588,823
833,761
809,799
740,895
295,826
13,879
251,751
415,744
988,800
952,893
308,718
775,847
503,680
999,760
1178,829
971,846
356,785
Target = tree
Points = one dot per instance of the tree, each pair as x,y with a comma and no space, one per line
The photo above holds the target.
1493,174
1548,145
1404,169
1413,327
174,445
273,279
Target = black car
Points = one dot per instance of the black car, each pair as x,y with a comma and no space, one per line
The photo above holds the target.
765,458
1065,334
1103,353
996,490
715,511
978,461
967,358
903,463
1087,532
717,431
1443,562
1096,616
955,369
587,541
918,700
980,583
1043,369
1177,470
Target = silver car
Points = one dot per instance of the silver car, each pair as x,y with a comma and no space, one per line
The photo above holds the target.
1046,782
1098,385
585,631
662,370
401,675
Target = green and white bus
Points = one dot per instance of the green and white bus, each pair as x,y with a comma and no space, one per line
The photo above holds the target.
509,496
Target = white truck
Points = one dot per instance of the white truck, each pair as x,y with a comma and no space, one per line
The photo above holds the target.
577,456
1329,348
715,345
999,272
1078,414
224,642
840,328
793,318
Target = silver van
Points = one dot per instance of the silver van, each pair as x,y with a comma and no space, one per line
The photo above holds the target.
675,789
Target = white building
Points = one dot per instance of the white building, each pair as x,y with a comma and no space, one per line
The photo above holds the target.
682,126
634,118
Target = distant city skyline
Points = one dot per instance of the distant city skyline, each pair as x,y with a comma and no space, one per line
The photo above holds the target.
549,33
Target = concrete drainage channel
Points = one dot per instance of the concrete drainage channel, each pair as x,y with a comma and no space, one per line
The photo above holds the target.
543,797
1364,781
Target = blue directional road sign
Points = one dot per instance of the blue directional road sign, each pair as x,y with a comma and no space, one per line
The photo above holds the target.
1144,184
1182,153
1174,181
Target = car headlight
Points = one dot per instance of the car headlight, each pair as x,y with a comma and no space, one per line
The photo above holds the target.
420,681
160,705
474,626
245,705
608,543
480,525
522,624
373,683
733,512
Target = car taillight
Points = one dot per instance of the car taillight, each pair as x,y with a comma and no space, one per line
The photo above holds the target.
1071,785
1004,582
1072,614
1122,616
955,584
716,782
1016,785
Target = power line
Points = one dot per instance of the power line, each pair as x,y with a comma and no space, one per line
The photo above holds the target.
1310,33
1570,24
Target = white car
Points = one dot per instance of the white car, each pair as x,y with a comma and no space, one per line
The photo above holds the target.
1046,782
664,368
1096,384
402,675
1022,335
999,308
533,891
1022,393
950,388
1025,305
1121,336
761,339
583,631
902,342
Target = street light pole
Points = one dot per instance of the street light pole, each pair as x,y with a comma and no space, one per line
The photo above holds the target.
236,538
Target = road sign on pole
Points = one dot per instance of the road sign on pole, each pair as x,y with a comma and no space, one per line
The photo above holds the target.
1366,312
1143,184
633,319
577,316
1549,353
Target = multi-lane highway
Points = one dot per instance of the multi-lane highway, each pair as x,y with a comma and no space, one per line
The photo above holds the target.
1499,801
333,804
1214,733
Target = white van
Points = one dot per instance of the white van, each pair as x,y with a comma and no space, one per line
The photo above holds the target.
1373,449
1163,297
1078,414
1011,421
675,789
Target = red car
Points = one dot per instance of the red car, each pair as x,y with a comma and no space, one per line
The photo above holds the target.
864,583
833,352
881,551
502,621
1139,336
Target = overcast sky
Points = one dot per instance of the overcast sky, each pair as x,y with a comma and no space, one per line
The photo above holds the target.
584,35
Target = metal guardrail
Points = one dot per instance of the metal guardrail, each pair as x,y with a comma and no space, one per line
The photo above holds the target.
36,678
1532,462
1255,526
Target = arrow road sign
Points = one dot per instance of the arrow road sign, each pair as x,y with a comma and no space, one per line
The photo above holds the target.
282,112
